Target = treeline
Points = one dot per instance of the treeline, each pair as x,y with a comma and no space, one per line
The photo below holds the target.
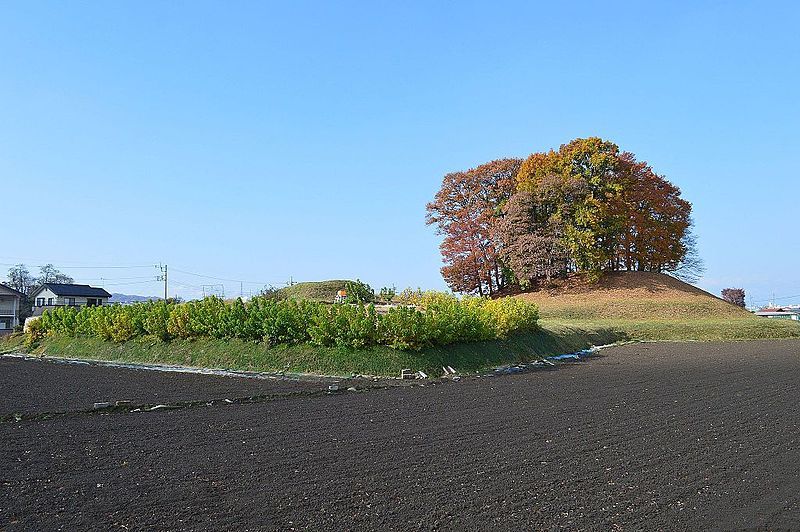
587,207
438,319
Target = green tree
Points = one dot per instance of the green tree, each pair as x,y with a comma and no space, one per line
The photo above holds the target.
387,294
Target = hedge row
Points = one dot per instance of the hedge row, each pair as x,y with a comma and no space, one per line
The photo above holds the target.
438,319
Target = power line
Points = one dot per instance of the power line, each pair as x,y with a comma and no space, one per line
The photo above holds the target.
81,267
106,267
116,278
222,278
774,299
130,283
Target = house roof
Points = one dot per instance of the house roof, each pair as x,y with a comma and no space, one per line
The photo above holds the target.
777,312
73,290
5,288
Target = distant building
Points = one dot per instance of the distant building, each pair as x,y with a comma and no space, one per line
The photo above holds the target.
9,308
780,313
51,295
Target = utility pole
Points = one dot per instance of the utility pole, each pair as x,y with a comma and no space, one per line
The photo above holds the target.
163,277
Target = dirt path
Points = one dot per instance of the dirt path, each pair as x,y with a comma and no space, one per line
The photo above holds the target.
648,436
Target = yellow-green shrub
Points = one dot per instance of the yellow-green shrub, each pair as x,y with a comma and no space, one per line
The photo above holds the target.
436,318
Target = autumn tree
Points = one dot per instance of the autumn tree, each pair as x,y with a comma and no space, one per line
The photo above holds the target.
587,207
734,296
656,220
589,171
464,211
613,212
531,235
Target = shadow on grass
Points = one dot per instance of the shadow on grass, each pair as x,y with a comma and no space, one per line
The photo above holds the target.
520,348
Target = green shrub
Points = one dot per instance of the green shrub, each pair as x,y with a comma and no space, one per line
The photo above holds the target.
123,327
37,330
289,321
509,315
403,328
156,319
435,318
345,326
178,322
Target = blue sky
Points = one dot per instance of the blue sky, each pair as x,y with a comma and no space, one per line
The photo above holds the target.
259,141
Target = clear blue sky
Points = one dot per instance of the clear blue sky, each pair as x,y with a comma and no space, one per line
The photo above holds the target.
259,141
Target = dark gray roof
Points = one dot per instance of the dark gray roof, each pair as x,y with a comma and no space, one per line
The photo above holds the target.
13,292
74,290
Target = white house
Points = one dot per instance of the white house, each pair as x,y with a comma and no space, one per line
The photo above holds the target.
9,308
51,295
787,313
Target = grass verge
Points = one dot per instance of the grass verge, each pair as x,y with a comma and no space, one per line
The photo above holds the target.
378,360
702,330
556,336
12,343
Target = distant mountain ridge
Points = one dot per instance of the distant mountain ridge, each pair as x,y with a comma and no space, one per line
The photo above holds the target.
126,298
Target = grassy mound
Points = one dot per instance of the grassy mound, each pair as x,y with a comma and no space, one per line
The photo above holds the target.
324,291
629,296
650,306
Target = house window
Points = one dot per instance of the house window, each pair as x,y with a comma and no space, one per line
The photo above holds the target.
49,301
39,301
71,301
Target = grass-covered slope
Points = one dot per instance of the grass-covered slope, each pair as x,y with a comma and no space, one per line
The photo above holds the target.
630,296
305,358
650,306
324,291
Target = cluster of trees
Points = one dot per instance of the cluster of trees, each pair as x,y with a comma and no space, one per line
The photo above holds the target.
587,207
438,319
22,280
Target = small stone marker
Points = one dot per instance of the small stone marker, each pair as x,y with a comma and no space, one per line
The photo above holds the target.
100,406
406,374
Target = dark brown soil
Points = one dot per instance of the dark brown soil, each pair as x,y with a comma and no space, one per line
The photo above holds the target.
36,386
655,436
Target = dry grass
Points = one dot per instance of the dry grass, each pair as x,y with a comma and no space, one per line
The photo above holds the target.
629,296
650,306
